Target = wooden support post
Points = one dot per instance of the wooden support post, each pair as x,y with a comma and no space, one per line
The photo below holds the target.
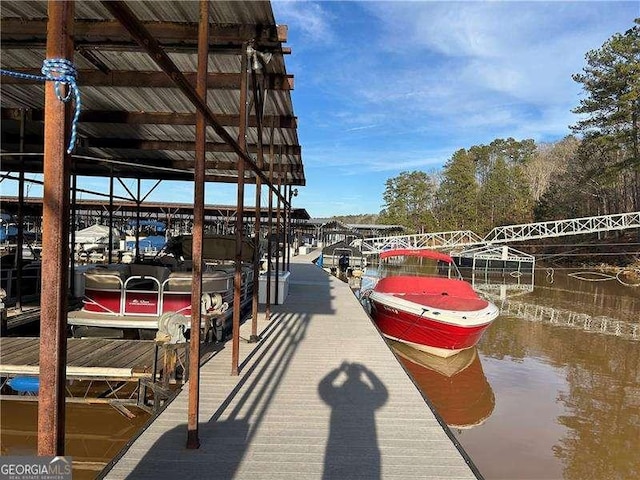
55,242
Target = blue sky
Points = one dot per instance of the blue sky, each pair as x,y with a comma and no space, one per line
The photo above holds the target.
383,87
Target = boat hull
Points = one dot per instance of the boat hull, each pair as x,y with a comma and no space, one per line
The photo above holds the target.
416,315
425,333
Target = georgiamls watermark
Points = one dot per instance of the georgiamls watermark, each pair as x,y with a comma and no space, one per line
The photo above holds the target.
14,467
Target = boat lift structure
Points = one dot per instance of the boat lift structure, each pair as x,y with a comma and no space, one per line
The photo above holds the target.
207,78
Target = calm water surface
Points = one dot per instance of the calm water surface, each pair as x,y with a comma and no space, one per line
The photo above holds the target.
552,390
94,433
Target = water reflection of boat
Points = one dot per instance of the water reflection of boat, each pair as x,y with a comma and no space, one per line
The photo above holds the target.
440,315
456,386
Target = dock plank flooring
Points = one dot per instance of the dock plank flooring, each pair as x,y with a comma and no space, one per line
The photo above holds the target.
20,355
320,395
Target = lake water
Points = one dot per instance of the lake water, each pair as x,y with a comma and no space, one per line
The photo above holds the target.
94,433
552,390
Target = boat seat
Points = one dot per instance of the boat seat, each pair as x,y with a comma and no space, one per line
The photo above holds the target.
215,281
105,278
158,272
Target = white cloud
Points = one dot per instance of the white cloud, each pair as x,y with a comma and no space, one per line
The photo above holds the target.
467,63
389,86
306,16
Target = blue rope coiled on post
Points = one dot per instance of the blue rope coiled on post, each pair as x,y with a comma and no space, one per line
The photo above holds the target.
58,70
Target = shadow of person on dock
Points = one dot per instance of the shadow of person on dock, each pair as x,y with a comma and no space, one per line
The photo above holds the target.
354,393
234,427
227,434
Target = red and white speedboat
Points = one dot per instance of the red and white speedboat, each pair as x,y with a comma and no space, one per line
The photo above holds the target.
438,315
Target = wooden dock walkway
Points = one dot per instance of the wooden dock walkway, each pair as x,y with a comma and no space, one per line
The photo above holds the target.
87,358
321,395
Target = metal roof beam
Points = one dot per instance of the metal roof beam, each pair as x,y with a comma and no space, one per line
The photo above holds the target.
127,78
88,32
229,165
151,45
150,172
33,143
84,47
152,118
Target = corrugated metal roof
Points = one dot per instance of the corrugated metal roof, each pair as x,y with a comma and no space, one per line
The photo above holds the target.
121,80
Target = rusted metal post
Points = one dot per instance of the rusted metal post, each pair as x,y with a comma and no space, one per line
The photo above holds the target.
287,222
270,229
259,102
278,230
237,282
110,248
138,203
198,231
256,268
55,242
20,240
72,235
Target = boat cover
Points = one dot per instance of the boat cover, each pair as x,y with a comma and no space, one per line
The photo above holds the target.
214,247
433,292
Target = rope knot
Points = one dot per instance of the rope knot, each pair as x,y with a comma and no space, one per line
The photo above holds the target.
62,71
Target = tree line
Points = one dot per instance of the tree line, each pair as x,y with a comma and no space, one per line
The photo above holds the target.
594,171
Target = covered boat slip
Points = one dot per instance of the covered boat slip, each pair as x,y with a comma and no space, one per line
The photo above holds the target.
134,296
194,91
320,395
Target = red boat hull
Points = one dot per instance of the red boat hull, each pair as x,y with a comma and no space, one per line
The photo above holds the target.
424,331
437,315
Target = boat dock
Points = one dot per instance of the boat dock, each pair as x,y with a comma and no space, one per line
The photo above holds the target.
87,358
320,395
143,369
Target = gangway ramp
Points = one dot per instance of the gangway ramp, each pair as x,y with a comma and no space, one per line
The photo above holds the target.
559,228
505,234
436,240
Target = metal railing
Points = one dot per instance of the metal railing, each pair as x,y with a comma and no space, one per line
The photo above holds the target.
558,228
441,240
505,234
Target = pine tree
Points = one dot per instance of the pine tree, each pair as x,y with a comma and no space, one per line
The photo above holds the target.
611,108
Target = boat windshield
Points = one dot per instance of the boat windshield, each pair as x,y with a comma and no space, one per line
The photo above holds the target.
417,262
